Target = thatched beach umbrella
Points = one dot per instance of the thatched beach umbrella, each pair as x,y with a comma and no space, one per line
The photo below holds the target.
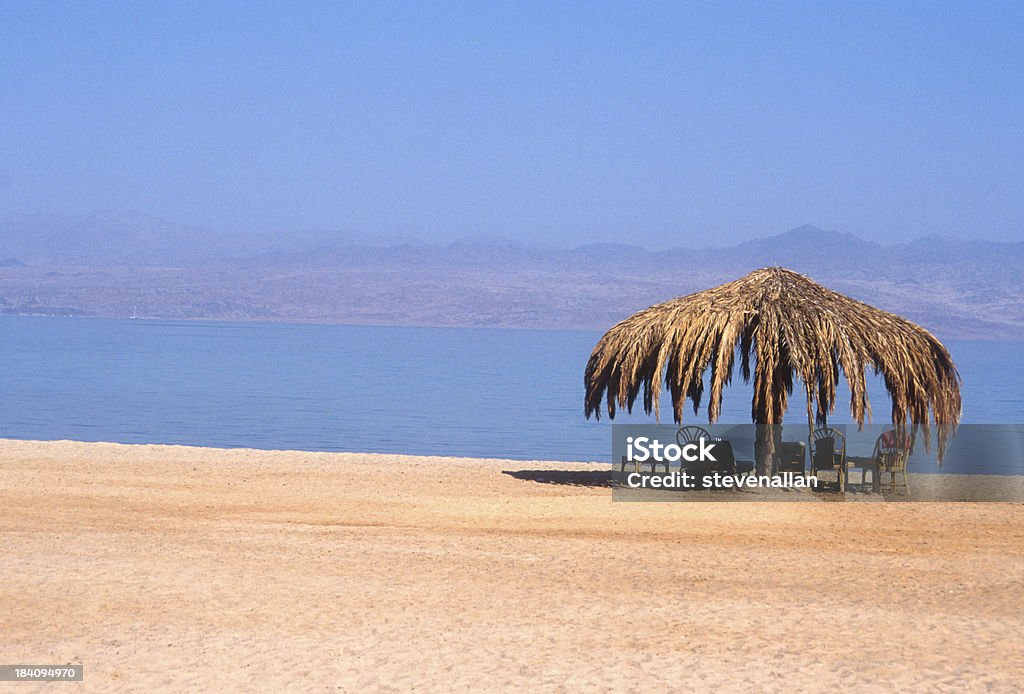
787,328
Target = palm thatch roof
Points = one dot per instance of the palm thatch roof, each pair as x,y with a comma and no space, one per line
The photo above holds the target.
787,328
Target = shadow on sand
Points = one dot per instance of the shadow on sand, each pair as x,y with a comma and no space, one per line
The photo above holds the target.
572,478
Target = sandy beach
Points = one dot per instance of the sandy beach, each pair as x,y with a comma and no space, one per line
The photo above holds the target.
188,568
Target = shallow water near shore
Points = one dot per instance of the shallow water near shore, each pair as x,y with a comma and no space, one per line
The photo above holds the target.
475,392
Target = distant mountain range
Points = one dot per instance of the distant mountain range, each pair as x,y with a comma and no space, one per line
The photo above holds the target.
106,238
111,264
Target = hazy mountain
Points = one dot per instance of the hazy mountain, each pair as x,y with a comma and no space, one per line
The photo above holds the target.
109,264
105,238
810,246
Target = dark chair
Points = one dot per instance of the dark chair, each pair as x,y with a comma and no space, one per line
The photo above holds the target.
727,462
693,434
828,452
725,458
792,457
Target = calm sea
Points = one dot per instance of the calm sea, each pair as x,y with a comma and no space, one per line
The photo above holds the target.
434,391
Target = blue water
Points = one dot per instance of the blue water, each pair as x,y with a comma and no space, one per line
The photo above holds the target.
435,391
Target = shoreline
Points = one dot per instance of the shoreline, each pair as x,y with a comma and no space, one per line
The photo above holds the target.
300,451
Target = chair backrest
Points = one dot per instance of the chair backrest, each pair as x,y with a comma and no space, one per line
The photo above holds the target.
826,444
691,434
824,454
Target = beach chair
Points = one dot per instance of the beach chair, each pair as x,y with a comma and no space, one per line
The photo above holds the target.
727,462
892,451
725,457
693,434
791,457
828,452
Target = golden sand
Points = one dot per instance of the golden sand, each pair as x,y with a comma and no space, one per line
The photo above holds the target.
172,568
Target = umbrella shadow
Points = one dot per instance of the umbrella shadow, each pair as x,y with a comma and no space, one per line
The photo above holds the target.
571,478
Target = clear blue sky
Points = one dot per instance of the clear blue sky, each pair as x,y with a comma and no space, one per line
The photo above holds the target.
659,124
